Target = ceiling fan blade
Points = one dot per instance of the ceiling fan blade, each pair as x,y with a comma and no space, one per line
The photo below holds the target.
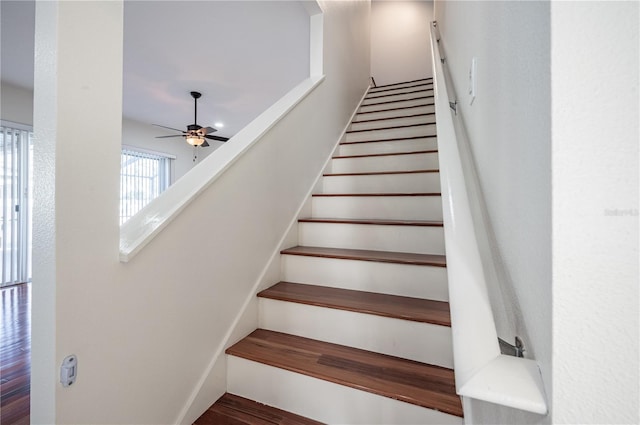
207,130
174,129
205,144
164,137
218,138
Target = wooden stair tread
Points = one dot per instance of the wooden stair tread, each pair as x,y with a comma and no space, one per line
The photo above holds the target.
404,82
395,139
401,100
383,222
377,194
394,109
393,127
394,306
426,114
377,173
406,380
385,154
231,409
426,83
396,94
368,255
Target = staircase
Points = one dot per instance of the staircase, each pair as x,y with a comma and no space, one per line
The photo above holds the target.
358,331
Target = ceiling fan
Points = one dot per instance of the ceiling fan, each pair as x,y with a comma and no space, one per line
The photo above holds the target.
195,134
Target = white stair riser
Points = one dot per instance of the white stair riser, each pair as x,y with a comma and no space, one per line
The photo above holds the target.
394,105
399,86
393,113
408,145
398,90
393,122
323,400
394,133
396,97
378,207
382,183
372,164
386,335
386,278
417,239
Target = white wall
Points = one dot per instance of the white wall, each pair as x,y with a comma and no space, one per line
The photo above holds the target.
145,331
509,128
595,109
400,40
17,104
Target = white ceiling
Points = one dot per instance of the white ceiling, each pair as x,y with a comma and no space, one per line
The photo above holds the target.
241,55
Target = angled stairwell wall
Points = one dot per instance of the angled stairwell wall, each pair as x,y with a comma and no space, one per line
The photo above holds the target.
146,331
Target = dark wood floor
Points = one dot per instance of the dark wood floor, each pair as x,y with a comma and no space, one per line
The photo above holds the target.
15,354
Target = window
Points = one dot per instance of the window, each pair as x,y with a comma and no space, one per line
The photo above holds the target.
16,196
143,176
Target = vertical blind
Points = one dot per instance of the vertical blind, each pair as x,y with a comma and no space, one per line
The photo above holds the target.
16,157
143,177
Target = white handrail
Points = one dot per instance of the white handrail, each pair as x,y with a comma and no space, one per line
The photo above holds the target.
481,371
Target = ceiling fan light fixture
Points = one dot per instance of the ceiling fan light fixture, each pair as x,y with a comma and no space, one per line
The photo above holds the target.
195,140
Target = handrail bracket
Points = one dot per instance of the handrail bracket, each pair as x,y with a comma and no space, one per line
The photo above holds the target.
516,350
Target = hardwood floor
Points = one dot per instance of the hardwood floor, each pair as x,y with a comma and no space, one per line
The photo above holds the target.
15,354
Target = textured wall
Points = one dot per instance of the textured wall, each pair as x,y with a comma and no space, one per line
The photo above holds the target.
595,79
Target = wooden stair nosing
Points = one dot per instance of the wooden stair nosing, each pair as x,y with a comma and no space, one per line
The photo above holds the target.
377,194
372,89
428,151
368,255
395,94
395,118
394,109
393,127
396,101
425,385
379,173
404,82
231,409
384,305
373,221
399,139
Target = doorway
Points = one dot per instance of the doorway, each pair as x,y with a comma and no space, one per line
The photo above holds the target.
16,195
